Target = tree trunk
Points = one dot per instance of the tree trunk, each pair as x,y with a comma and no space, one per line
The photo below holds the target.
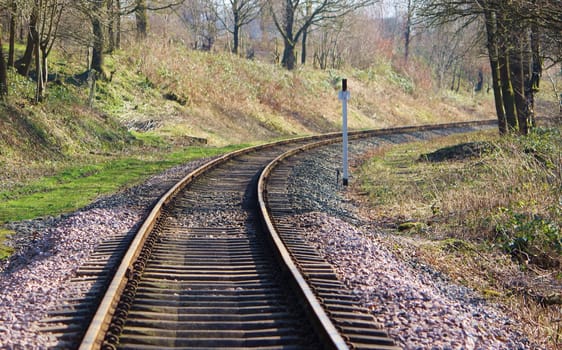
98,45
504,52
303,45
141,18
118,24
44,69
305,32
508,96
454,77
492,45
498,99
38,72
408,31
288,60
517,64
12,39
3,72
236,33
24,64
111,25
480,82
459,76
536,72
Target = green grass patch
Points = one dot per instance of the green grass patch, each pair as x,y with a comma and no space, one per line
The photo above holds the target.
76,186
5,251
150,138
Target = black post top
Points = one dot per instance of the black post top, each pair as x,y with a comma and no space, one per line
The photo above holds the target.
344,84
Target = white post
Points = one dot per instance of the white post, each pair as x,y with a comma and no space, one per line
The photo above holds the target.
344,97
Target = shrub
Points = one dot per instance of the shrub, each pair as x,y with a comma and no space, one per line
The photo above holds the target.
529,238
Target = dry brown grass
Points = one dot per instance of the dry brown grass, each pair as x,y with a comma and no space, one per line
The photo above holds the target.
228,99
470,214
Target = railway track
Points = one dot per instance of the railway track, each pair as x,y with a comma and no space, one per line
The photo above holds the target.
215,265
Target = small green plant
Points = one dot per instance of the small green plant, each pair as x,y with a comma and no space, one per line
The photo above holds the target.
334,78
406,84
61,94
527,237
5,250
20,86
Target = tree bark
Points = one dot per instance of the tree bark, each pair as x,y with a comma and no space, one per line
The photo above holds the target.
3,72
24,64
491,43
303,46
12,39
236,33
98,43
38,72
288,60
141,18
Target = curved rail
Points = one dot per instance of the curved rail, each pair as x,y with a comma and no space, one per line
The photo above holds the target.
101,320
362,334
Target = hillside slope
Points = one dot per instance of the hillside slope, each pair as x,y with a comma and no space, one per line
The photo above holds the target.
227,99
174,96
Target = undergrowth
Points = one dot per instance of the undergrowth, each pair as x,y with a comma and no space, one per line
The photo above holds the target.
488,213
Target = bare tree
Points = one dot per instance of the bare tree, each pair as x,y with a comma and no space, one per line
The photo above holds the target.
327,53
294,17
235,14
141,17
447,46
49,16
113,25
44,18
514,34
200,18
141,7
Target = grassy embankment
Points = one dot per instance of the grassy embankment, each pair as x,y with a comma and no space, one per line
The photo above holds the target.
491,221
59,155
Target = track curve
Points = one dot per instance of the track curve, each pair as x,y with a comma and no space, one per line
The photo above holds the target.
206,278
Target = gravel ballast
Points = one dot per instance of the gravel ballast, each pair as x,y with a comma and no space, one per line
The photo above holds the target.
49,251
418,307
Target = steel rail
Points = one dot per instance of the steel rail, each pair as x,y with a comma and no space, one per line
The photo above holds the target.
94,334
99,325
323,322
